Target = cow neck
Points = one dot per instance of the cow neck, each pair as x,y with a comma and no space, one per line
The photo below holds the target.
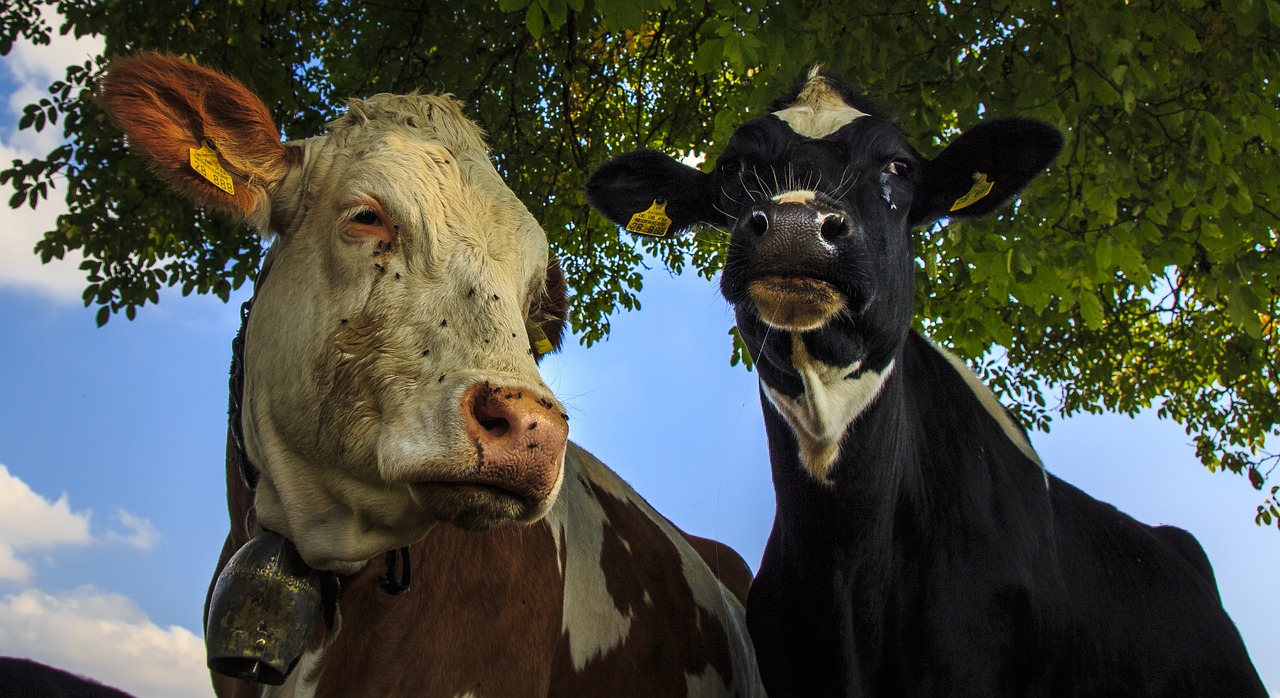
915,467
925,456
853,507
392,582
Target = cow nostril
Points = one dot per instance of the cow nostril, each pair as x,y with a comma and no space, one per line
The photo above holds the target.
833,226
490,415
758,221
497,427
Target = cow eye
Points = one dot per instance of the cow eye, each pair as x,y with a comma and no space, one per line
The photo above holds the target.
365,222
730,167
899,168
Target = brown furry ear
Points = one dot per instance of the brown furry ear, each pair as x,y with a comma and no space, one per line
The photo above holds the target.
550,311
169,108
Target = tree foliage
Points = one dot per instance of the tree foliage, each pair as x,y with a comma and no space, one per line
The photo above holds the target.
1142,270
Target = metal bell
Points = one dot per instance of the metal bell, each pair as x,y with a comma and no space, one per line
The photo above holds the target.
263,610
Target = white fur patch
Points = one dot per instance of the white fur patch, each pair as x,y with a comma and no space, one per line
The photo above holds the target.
993,407
591,619
795,196
818,111
830,402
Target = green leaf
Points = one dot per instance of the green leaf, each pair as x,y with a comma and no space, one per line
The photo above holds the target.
557,12
1091,310
1248,17
1242,202
104,314
533,20
709,56
621,14
740,352
1102,253
1186,37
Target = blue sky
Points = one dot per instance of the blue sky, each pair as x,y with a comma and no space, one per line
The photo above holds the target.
112,508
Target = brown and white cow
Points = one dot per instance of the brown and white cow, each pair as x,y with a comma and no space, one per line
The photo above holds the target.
390,385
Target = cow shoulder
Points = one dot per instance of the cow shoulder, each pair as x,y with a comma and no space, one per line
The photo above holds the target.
636,587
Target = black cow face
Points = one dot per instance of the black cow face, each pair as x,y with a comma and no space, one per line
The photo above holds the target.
820,231
820,197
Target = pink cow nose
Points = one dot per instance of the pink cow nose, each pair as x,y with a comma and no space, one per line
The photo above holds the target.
520,438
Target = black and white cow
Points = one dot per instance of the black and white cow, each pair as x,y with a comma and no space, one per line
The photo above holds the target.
919,547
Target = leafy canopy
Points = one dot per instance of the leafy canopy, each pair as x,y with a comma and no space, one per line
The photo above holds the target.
1142,270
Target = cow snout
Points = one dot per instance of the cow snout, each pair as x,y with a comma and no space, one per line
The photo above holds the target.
802,221
791,237
790,250
520,438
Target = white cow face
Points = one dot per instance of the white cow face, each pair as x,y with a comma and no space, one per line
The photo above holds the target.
390,381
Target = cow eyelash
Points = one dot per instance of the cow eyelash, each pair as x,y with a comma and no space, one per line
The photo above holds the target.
366,216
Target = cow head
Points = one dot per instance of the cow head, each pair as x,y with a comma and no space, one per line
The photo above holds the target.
820,197
390,356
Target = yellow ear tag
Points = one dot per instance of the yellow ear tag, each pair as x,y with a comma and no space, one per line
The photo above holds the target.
538,340
652,221
981,187
205,161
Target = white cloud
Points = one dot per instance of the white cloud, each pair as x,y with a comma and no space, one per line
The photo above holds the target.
32,68
50,62
20,229
105,637
29,521
11,567
97,634
141,533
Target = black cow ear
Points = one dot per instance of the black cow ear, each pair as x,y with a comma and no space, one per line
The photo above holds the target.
983,169
654,185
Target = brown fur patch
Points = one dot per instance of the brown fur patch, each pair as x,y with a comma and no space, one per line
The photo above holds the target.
482,616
